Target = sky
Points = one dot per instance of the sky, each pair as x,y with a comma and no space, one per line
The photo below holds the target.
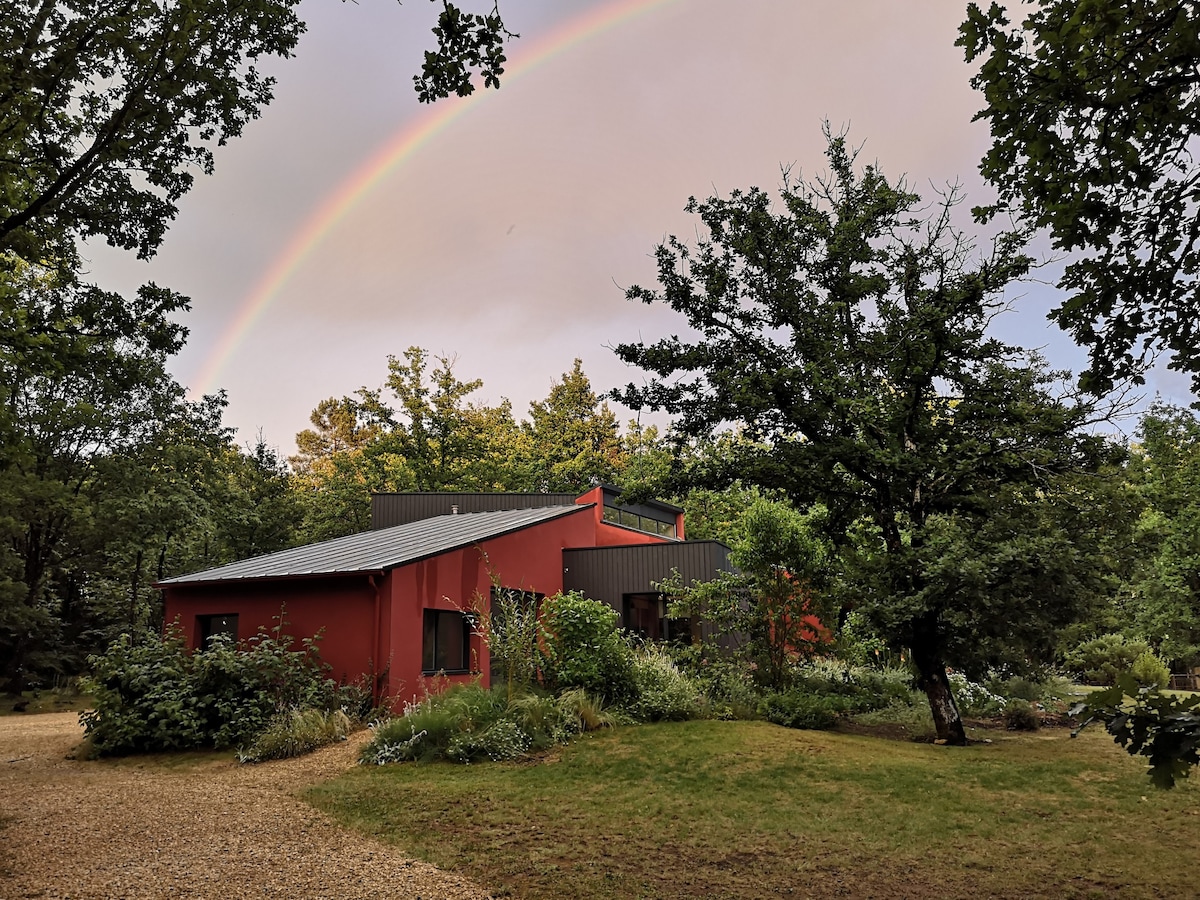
350,222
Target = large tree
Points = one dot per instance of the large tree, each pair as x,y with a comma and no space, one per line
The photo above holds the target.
109,109
1094,109
847,341
1162,603
570,441
82,380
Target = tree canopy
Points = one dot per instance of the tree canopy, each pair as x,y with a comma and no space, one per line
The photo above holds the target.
846,341
107,111
1094,109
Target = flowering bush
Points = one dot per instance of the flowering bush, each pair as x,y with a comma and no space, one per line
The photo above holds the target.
662,692
974,699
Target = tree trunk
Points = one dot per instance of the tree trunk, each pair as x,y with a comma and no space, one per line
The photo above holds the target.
936,685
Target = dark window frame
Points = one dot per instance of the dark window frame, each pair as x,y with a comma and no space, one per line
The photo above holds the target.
627,518
432,661
205,630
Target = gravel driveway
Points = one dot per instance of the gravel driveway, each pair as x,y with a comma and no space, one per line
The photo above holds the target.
123,829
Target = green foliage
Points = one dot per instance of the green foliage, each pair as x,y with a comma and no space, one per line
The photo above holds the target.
585,713
430,729
582,648
846,342
1149,671
1016,688
295,732
154,695
768,609
510,627
661,691
84,395
1094,110
570,441
423,432
1161,600
110,110
1021,715
795,709
467,43
910,716
862,689
974,699
725,683
1162,728
468,723
1104,659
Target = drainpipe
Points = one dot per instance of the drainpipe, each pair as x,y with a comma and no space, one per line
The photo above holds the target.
376,683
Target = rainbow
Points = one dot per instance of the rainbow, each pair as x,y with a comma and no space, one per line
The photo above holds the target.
409,139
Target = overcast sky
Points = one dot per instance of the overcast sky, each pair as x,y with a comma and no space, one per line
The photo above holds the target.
506,238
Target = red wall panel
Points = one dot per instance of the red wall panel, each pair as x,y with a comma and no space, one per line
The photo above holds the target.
343,607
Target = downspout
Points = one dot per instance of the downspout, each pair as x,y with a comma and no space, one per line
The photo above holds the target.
376,649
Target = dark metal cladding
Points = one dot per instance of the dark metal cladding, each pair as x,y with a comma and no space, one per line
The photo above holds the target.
389,510
611,574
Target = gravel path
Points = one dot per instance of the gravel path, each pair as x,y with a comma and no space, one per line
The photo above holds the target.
127,830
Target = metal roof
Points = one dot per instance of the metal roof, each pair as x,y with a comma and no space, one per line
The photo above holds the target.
386,548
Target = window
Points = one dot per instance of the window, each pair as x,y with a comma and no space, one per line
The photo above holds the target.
638,522
447,642
209,626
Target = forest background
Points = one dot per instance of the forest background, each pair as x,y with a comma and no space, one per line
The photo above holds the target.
111,479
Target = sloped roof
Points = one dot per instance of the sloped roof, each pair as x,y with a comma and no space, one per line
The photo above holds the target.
386,548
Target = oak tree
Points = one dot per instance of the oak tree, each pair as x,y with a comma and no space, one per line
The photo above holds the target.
846,339
1094,109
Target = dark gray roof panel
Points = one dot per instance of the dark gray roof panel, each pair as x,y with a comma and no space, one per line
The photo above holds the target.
400,509
386,548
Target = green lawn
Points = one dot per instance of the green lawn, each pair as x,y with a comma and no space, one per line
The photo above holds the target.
748,809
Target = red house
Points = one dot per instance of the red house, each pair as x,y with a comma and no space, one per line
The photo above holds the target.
392,603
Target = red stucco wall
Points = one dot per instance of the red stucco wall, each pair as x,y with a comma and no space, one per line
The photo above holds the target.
343,606
375,623
529,560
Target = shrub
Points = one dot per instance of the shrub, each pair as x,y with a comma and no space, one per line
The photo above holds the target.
662,691
1149,671
1103,659
1016,688
296,732
1021,715
509,626
794,709
545,720
727,690
585,711
974,699
469,723
861,689
582,648
156,696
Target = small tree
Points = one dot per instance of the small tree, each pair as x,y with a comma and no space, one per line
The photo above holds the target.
767,610
508,626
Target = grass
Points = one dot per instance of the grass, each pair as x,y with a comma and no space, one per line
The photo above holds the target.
747,809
